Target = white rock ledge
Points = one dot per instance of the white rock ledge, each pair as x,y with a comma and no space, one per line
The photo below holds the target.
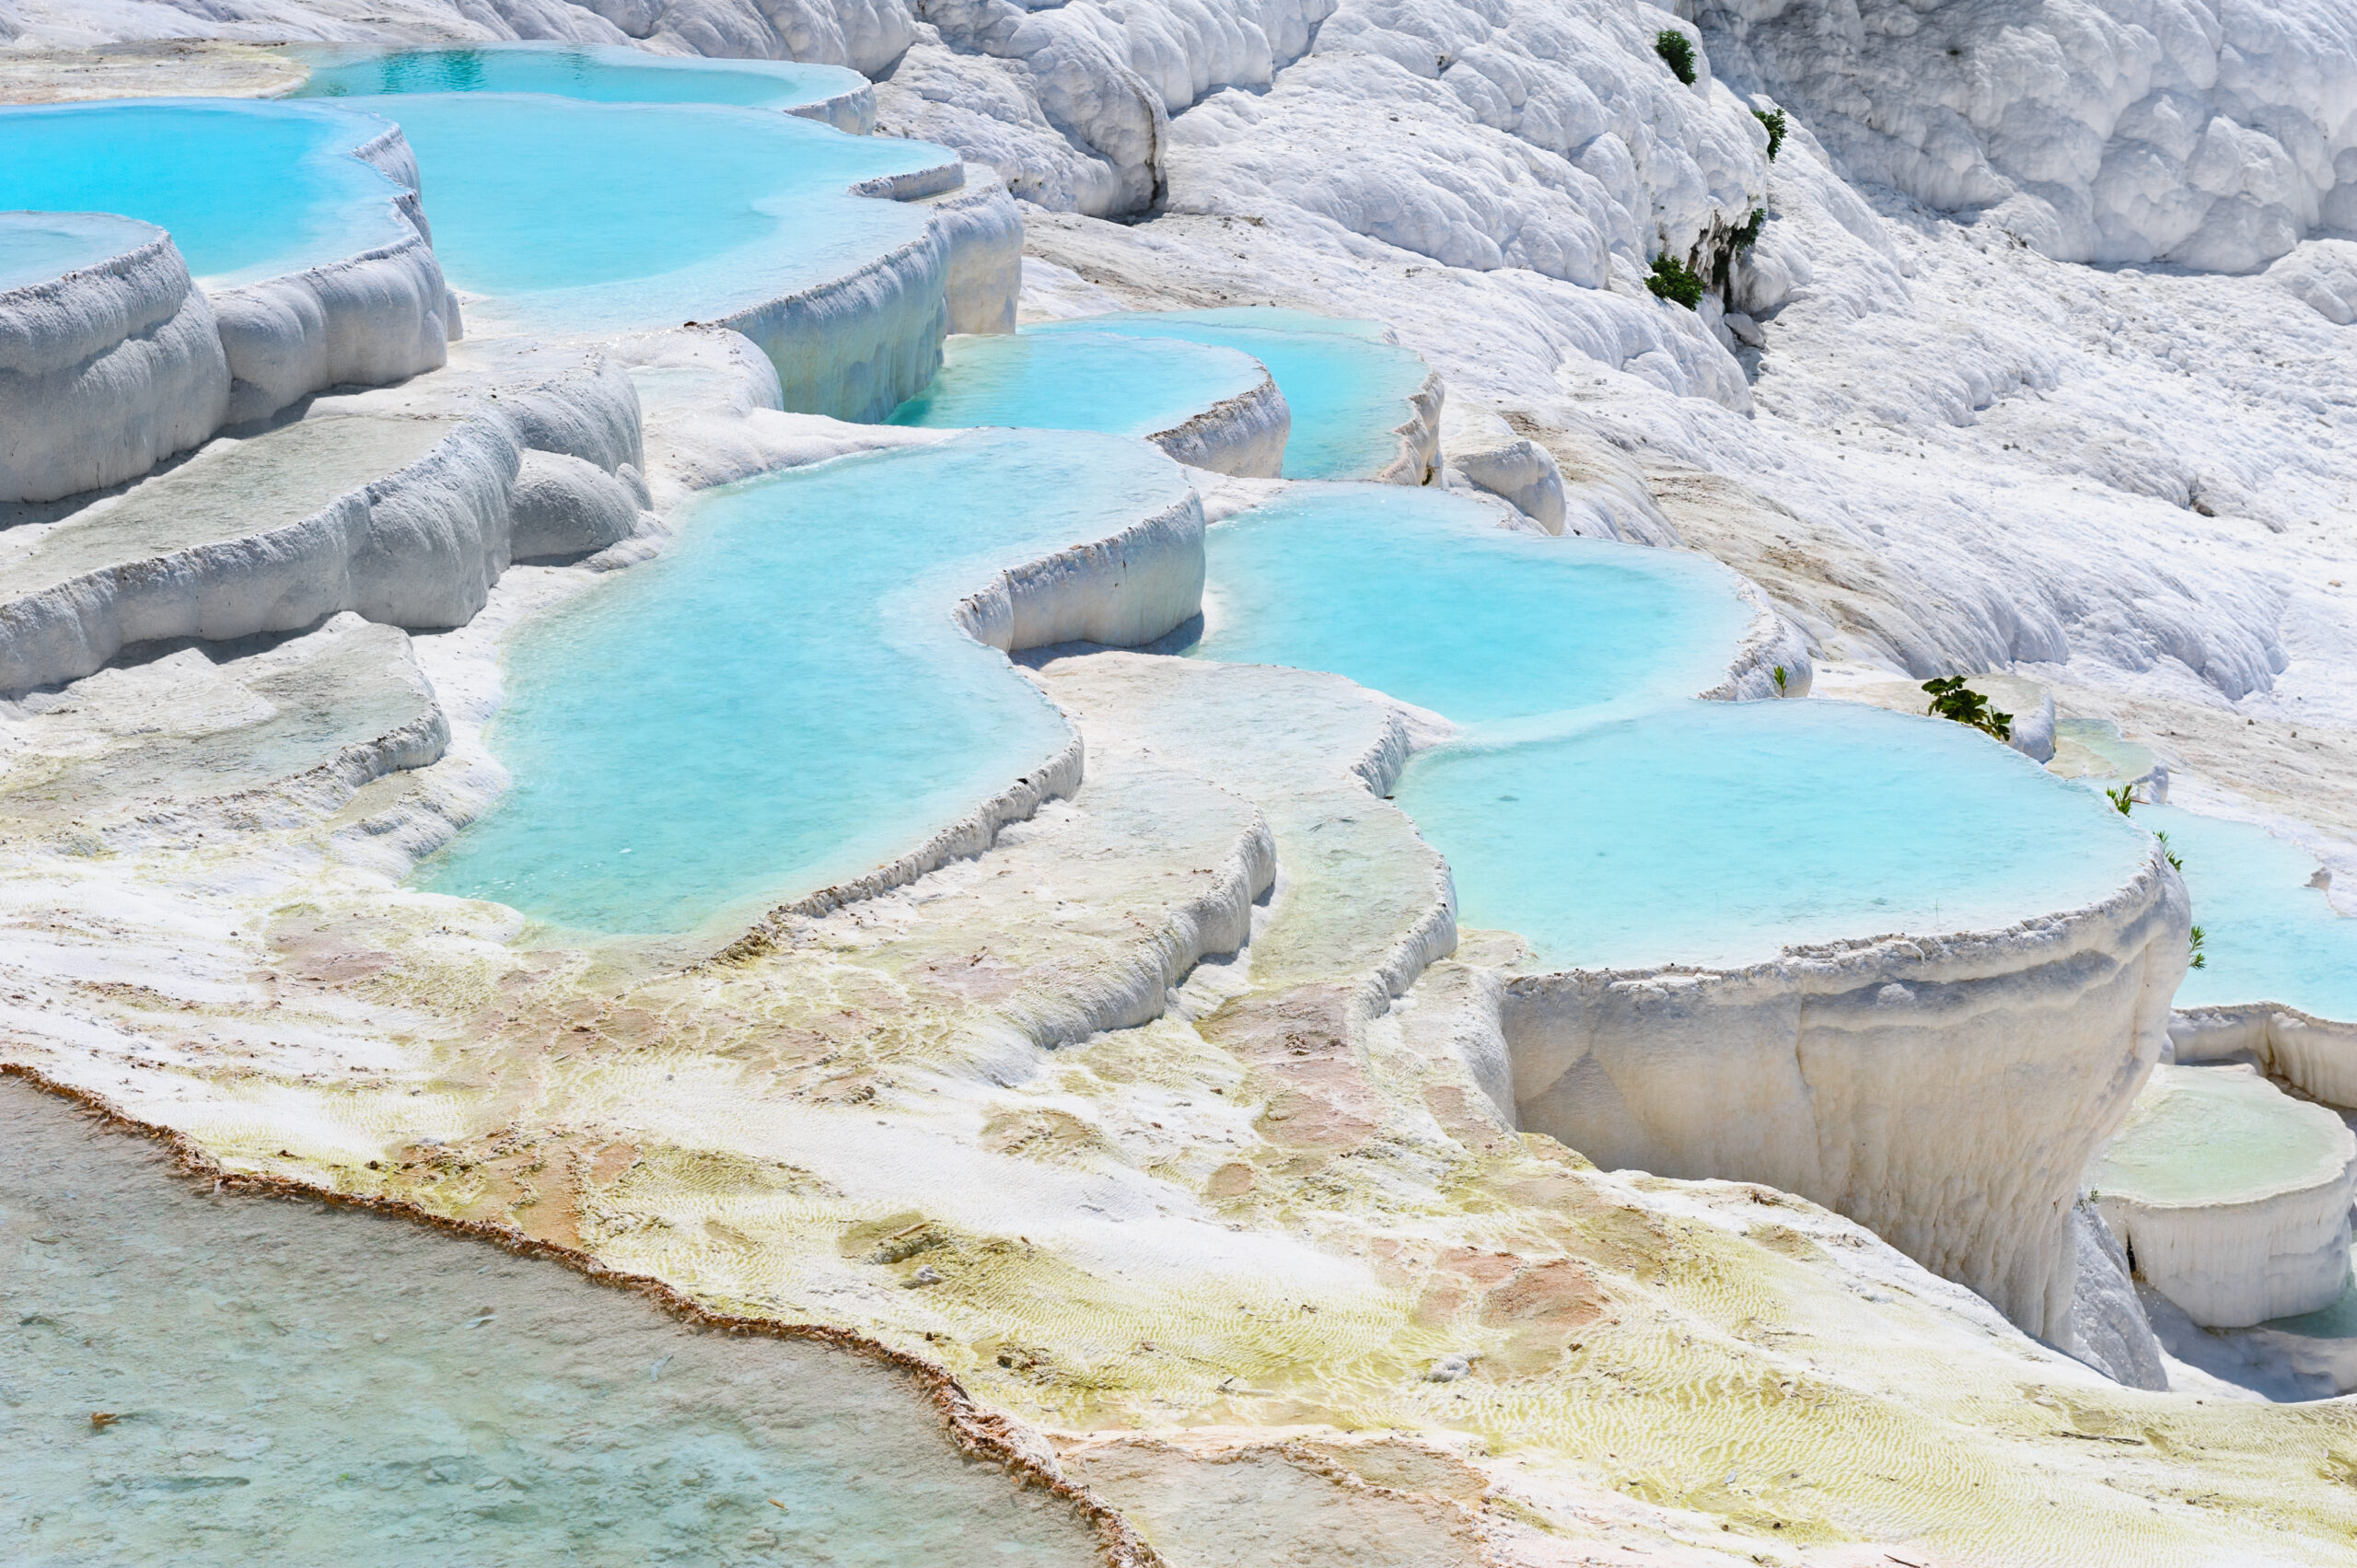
1418,459
2316,1056
412,524
2265,1236
855,347
106,370
1243,436
1121,591
1769,644
852,112
1945,1092
369,320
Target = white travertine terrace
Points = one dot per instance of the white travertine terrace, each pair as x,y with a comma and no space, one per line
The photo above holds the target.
107,370
2232,1198
365,319
1945,1092
1891,433
1243,436
856,348
401,508
2316,1056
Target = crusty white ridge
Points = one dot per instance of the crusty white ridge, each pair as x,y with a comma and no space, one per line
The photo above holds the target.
107,370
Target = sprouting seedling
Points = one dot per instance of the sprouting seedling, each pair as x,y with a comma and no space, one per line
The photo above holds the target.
1781,678
2121,798
1678,51
1951,699
1775,120
2199,960
2167,854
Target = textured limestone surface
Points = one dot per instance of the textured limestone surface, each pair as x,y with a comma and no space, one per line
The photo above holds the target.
1938,446
399,504
1197,1254
2232,1197
107,365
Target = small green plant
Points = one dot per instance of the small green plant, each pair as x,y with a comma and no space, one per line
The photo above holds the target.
2121,798
1673,280
1748,235
2199,960
1951,699
1774,119
2167,854
1781,678
1677,50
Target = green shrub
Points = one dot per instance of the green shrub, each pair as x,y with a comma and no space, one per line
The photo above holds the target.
1679,50
1674,281
1748,235
1781,678
1775,120
2193,944
1952,700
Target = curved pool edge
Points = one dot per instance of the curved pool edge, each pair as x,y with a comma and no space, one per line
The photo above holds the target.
419,545
1770,646
1025,1454
1242,436
1880,1076
107,370
1416,459
370,319
855,347
1126,589
2317,1056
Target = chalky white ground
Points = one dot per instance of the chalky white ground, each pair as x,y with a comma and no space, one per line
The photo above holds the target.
1956,446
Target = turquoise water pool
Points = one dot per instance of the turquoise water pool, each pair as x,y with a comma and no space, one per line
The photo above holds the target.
249,191
2268,936
1347,387
289,1383
1720,833
782,700
1101,381
602,73
2201,1135
1419,594
1589,804
36,247
595,217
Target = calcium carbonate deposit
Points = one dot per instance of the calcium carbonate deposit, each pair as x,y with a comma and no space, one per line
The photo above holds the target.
1258,782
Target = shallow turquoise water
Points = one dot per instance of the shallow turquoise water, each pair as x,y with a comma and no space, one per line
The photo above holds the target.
2268,936
1347,387
1590,804
2216,1135
36,247
1101,381
1419,594
590,217
249,191
602,73
300,1385
782,700
1720,833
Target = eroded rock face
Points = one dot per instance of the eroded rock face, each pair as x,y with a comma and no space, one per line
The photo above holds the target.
1944,1094
107,370
2213,134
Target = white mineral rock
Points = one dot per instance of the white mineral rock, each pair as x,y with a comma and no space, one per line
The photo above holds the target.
1945,1094
2232,1198
108,369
